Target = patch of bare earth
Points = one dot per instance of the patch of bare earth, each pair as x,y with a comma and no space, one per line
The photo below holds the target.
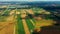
30,11
8,26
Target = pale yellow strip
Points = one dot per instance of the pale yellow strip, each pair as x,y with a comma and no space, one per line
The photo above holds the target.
25,27
32,22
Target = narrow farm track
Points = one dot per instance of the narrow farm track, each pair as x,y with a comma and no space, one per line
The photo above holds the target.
25,26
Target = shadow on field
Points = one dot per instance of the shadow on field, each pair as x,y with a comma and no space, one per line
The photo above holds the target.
55,29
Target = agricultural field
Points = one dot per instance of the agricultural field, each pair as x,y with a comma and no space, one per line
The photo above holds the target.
24,21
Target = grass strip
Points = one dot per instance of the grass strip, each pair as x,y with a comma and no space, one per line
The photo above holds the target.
30,25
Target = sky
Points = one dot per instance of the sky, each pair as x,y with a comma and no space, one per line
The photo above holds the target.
29,0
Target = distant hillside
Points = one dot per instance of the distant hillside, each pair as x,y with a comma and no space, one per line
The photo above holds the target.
38,3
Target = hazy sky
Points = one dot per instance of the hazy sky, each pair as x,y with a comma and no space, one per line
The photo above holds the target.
29,0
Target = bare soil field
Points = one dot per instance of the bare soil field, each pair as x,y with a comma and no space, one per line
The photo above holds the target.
8,26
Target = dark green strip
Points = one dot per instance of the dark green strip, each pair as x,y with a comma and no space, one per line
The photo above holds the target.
30,25
20,25
33,20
